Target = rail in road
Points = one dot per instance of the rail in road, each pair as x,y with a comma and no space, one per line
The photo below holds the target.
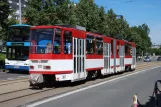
14,93
116,92
10,79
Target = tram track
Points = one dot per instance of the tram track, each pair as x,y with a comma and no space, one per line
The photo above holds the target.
141,67
7,82
28,88
26,80
28,92
19,94
13,91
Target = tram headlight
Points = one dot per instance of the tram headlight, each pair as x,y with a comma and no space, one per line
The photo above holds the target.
6,62
46,67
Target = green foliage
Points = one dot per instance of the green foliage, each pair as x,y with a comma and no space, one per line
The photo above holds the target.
5,22
49,13
141,38
4,13
155,50
4,30
88,14
2,56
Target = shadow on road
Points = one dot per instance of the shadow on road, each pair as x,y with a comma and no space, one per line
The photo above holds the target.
18,72
155,99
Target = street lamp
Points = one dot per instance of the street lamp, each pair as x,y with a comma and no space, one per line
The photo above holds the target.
119,30
119,16
114,42
20,20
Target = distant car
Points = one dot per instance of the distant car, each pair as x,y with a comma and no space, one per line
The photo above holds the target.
147,59
159,58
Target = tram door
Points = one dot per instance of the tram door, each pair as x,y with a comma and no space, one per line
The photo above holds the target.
122,51
133,57
106,58
79,59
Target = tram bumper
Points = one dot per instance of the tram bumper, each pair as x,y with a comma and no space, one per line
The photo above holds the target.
36,79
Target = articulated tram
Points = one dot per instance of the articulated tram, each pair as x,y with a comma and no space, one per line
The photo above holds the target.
61,53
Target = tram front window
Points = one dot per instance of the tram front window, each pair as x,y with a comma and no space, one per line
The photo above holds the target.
17,53
41,41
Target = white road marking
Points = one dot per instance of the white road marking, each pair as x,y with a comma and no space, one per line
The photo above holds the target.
10,78
22,76
82,89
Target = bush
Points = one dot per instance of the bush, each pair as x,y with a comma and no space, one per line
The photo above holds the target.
2,56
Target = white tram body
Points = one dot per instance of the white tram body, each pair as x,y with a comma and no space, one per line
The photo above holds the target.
71,54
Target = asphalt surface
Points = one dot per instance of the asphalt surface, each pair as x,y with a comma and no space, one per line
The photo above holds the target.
13,75
118,93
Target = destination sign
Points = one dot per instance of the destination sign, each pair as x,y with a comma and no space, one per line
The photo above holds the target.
17,44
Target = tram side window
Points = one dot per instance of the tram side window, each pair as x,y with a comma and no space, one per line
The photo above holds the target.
67,42
99,46
112,47
90,44
127,49
117,47
57,42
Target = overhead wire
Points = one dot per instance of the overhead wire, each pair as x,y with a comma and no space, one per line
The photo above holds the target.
123,2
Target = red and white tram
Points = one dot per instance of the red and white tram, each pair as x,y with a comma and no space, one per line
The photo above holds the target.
60,53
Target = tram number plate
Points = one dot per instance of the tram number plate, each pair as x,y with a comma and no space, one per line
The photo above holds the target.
64,76
39,66
16,66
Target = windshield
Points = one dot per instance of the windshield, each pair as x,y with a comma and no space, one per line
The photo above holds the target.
128,49
41,41
17,53
19,34
146,57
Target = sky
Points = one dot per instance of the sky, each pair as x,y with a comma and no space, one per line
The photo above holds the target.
138,12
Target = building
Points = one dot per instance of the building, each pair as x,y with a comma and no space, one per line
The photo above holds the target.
155,46
14,4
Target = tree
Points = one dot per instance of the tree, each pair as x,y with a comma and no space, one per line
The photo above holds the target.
4,13
5,22
35,13
140,35
112,23
50,12
102,25
88,14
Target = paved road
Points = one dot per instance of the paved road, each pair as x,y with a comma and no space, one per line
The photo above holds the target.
12,75
118,93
